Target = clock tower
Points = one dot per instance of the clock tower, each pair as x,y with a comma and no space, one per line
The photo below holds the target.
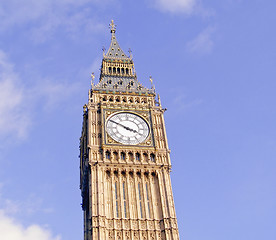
124,157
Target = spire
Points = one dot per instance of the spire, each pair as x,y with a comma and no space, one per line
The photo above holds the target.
114,51
117,70
112,27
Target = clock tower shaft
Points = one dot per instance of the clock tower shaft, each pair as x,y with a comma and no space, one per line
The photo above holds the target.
125,185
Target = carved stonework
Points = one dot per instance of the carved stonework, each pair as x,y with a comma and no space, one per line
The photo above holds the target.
126,191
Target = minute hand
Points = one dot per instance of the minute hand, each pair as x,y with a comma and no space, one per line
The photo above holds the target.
125,127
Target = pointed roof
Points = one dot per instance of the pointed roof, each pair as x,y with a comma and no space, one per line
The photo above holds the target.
114,51
117,71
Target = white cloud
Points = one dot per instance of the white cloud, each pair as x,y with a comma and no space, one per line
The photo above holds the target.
10,229
187,7
44,17
14,117
53,94
17,102
203,43
28,206
176,6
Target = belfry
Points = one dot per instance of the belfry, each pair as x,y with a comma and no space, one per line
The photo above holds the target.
124,157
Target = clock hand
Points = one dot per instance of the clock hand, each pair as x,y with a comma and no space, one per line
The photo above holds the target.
127,128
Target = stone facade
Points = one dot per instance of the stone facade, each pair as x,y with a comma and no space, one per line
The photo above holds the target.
126,189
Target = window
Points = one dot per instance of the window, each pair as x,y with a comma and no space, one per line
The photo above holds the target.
115,155
130,156
140,200
145,156
137,156
148,203
152,157
109,69
124,199
123,156
107,155
117,200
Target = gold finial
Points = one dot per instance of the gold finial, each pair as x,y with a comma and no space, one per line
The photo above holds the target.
159,100
92,79
112,27
84,108
130,53
151,81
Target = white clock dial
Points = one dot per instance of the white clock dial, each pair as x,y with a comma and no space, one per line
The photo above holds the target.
127,128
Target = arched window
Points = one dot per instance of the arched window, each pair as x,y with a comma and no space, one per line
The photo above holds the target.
123,156
145,156
122,70
107,155
114,70
118,70
130,156
126,70
152,157
115,156
137,157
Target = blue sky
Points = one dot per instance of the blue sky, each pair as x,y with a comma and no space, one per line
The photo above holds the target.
213,64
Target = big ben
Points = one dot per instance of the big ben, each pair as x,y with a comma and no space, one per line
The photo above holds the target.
124,156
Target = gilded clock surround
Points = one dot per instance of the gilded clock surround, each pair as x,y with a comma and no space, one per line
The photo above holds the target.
126,189
145,115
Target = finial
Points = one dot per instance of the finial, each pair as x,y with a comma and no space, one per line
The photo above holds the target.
130,53
151,81
159,100
92,79
84,108
112,27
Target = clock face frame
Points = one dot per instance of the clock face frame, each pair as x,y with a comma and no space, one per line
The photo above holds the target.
127,128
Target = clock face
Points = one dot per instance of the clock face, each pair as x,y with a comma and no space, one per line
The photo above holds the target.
127,128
